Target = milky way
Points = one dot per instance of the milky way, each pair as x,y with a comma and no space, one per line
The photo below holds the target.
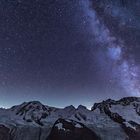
63,52
125,71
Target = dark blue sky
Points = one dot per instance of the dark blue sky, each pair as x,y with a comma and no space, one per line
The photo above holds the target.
65,52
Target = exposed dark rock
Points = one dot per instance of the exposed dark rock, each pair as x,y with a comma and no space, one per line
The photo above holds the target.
134,134
75,124
4,133
69,131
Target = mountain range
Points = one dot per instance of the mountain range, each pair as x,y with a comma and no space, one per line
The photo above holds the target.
107,120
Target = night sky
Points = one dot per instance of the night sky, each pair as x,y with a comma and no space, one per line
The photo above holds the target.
64,52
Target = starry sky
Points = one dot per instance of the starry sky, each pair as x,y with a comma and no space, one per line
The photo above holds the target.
64,52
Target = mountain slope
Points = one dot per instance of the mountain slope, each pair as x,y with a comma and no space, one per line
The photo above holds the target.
107,120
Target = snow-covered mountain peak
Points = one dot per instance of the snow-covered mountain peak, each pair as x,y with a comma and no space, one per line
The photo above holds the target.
109,102
32,111
71,107
107,118
125,112
31,106
129,100
81,107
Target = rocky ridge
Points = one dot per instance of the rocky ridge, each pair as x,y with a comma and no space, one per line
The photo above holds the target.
106,120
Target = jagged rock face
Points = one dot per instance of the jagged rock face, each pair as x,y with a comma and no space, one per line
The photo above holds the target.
4,133
32,111
71,130
134,134
125,112
30,133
